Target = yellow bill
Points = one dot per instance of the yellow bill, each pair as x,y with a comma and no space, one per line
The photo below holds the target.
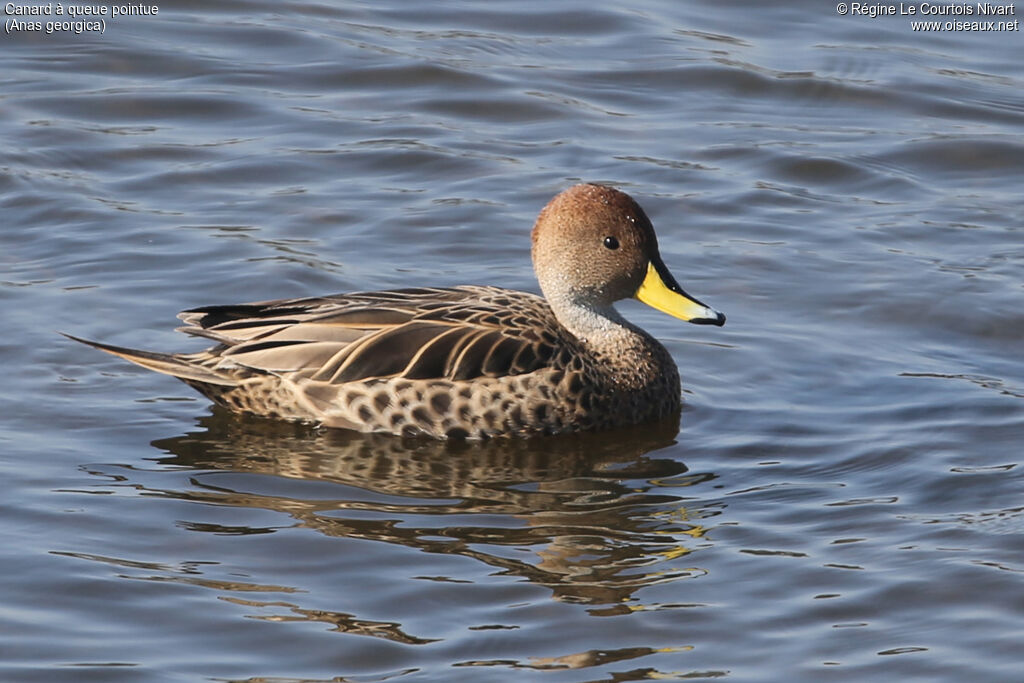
661,291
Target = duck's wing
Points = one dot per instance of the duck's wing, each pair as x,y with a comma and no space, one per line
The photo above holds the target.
445,333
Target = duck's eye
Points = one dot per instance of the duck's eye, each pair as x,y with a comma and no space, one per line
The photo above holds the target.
611,243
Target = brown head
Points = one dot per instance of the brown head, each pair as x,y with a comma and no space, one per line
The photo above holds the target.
593,245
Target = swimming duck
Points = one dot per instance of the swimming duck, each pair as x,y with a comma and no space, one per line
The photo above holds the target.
470,361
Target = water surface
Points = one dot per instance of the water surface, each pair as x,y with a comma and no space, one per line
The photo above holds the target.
841,500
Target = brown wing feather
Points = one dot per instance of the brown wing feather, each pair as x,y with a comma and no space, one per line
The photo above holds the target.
457,334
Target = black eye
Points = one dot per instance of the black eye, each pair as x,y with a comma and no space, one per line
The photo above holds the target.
611,242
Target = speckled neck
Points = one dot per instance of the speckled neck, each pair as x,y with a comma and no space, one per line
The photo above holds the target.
631,355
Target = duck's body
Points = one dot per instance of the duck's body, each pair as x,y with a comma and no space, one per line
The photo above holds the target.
465,361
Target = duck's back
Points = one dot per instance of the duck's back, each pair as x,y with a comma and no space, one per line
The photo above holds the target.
462,361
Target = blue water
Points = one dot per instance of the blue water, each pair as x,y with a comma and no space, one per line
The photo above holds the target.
840,502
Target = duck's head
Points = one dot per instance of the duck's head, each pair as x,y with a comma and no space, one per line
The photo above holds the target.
593,245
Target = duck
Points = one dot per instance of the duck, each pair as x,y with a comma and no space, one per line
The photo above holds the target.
464,362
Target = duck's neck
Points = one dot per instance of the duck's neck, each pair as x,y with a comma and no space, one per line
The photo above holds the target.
597,326
633,363
604,331
632,360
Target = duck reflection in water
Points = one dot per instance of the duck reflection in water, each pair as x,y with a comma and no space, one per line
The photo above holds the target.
601,516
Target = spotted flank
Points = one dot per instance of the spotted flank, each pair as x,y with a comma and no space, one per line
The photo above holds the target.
466,362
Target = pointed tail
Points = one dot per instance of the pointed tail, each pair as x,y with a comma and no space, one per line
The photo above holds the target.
166,363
